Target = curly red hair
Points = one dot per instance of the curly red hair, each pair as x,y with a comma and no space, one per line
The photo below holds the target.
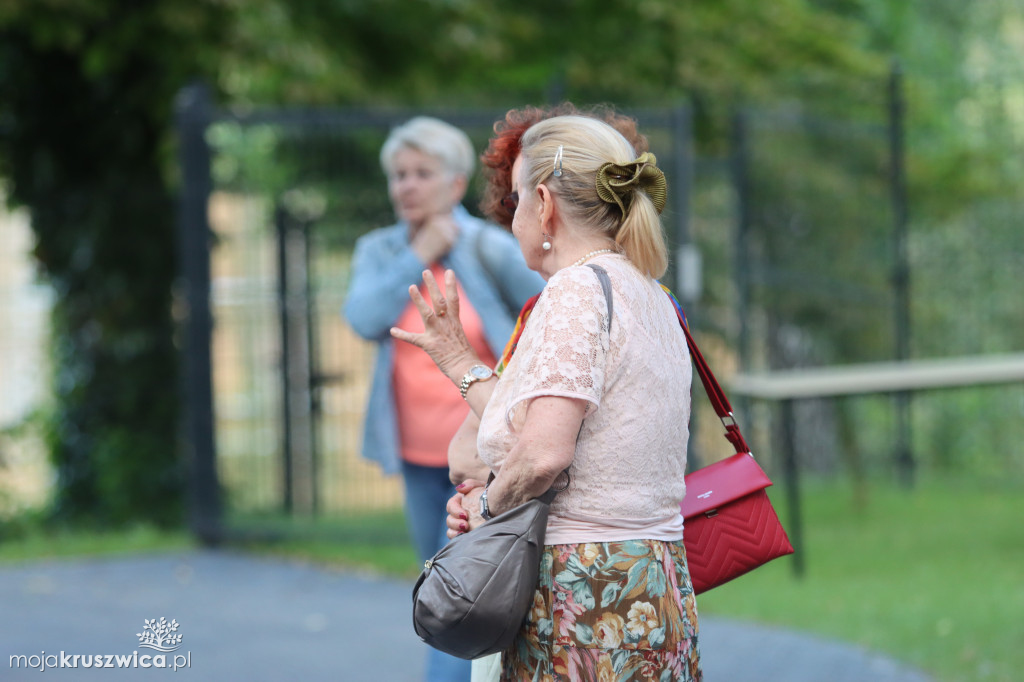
505,146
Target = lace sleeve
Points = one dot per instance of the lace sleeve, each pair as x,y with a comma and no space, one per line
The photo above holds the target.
564,347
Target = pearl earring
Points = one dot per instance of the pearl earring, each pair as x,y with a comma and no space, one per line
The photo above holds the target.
547,243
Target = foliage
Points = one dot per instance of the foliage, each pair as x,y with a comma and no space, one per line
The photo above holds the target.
86,108
818,192
334,51
820,242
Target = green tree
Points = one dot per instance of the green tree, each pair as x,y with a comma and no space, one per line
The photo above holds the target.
85,104
421,52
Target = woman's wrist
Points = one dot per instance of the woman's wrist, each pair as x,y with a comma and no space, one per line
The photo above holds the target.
471,492
461,367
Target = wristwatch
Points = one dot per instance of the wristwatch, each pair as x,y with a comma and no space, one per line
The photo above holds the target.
475,373
485,512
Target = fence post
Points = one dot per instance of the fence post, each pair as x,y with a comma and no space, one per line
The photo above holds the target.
298,447
283,287
688,262
791,470
686,268
901,270
740,159
740,171
313,389
193,112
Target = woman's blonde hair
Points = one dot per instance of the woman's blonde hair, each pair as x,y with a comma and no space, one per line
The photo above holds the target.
587,144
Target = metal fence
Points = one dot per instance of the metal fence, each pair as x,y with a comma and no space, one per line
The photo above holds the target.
795,249
273,204
834,265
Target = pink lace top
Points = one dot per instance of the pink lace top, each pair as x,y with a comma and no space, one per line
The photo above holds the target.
626,479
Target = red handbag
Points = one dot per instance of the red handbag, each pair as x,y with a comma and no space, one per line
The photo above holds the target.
729,524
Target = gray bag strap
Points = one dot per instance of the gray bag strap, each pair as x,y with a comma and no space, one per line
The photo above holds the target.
606,285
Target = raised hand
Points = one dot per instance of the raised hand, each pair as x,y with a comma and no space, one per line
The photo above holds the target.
443,337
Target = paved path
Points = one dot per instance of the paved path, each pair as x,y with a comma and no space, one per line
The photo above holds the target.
254,619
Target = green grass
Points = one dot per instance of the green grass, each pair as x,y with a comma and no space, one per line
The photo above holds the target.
35,543
933,576
377,542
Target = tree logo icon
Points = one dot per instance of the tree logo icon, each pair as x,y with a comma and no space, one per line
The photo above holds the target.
159,635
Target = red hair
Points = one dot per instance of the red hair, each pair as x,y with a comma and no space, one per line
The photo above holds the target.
505,146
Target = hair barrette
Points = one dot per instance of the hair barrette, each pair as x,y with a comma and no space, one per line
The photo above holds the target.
558,162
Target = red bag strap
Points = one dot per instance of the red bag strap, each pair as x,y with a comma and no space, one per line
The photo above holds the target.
718,398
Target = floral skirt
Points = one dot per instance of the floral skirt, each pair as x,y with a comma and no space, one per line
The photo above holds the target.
611,611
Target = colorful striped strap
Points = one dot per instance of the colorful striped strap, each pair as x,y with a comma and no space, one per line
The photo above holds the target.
675,302
513,341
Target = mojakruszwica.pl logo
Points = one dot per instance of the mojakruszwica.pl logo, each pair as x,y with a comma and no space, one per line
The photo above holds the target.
159,635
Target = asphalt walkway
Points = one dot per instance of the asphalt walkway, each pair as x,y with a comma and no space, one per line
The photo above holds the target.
256,619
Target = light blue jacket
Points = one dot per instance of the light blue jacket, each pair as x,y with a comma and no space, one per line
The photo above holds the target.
384,266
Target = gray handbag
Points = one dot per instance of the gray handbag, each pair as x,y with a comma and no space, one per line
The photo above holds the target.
471,598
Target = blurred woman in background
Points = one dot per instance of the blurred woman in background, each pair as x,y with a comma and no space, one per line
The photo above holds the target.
413,411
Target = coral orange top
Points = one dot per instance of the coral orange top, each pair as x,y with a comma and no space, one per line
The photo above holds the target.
429,406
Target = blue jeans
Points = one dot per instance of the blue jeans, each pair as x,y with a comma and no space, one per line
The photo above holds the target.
427,491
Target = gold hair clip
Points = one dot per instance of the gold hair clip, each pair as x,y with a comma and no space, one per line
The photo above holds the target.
617,182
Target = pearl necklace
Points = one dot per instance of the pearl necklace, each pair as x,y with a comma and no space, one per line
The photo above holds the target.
590,255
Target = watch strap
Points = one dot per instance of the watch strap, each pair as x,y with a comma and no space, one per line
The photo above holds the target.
468,379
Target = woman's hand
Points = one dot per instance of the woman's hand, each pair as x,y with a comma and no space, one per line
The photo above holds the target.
464,508
435,238
443,337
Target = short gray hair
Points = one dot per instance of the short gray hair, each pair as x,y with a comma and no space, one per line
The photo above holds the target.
435,138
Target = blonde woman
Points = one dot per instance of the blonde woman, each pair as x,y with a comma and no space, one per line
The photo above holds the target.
598,391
